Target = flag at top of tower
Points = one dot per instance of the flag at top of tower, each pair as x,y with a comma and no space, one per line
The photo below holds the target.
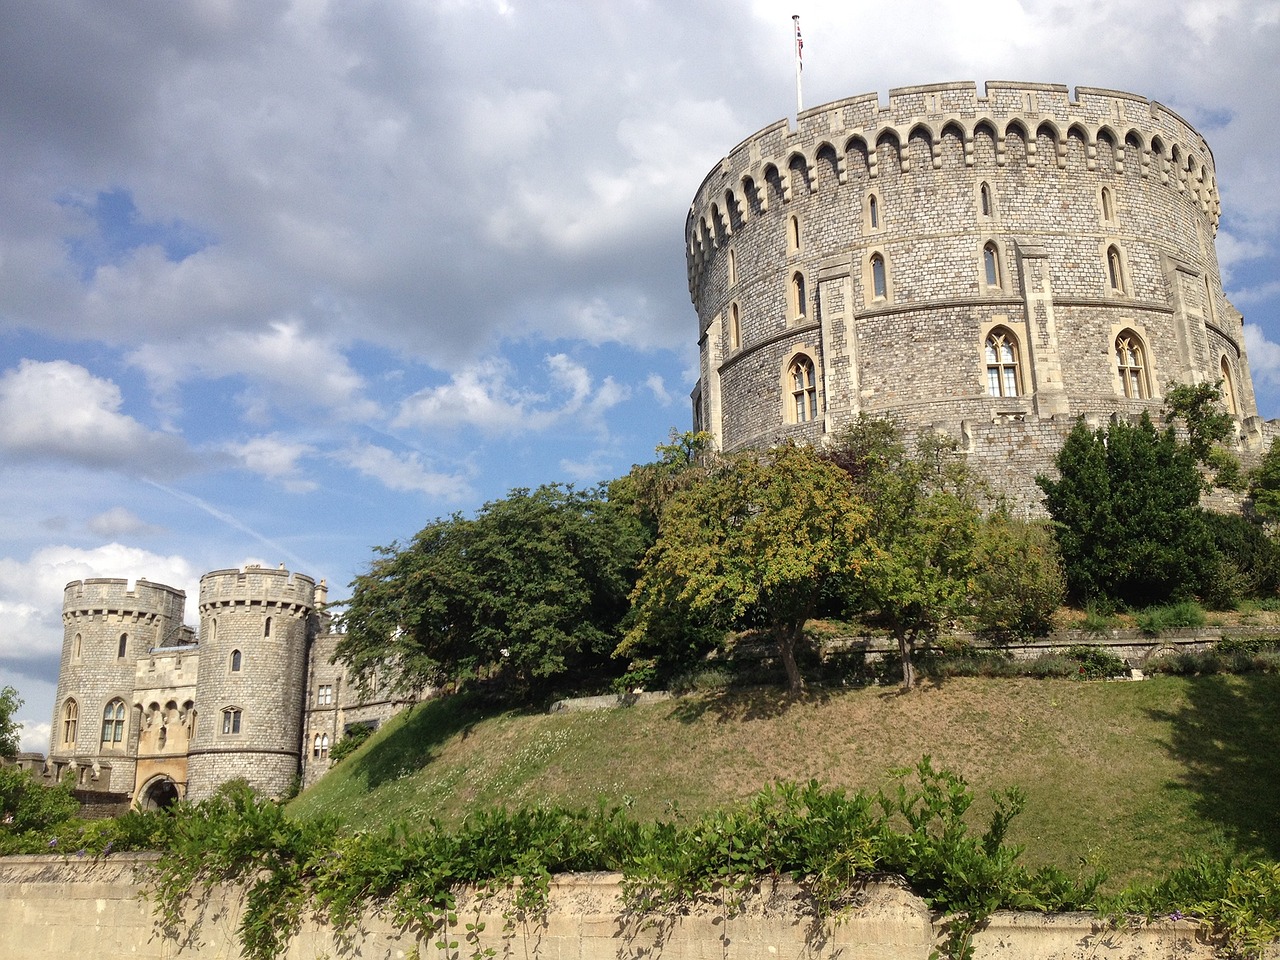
799,41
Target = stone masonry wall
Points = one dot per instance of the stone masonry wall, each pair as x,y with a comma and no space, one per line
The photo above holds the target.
51,908
1099,210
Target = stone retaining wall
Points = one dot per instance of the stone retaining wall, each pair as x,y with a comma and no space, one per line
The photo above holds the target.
54,908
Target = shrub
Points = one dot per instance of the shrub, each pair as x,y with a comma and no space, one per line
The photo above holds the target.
350,742
1175,616
1093,663
1250,560
702,680
1019,582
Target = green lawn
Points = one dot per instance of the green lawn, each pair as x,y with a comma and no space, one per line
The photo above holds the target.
1127,777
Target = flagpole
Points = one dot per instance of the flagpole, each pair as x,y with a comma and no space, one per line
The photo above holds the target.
799,45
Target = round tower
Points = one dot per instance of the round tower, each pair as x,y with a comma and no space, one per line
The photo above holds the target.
992,264
108,626
255,628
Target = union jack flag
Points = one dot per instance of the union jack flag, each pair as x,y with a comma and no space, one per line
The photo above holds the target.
799,42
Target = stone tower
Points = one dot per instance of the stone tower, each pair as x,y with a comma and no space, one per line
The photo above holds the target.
107,627
256,626
990,265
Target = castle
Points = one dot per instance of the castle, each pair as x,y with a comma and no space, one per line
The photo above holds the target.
991,267
151,712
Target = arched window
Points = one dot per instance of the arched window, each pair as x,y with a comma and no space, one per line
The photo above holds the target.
879,277
991,264
1001,351
1115,269
793,234
113,723
1108,205
1228,390
123,646
77,648
984,199
873,212
1131,365
735,328
231,721
315,747
70,720
162,737
799,296
266,627
213,630
236,660
804,391
733,267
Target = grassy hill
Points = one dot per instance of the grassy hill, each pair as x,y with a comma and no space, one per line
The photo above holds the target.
1130,777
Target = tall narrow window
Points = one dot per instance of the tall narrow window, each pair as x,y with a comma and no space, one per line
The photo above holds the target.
231,721
122,646
873,211
1108,205
70,720
1115,269
1002,363
991,264
733,267
879,281
735,328
266,627
113,723
984,194
236,660
162,737
77,648
793,234
1228,390
804,392
799,298
1131,365
324,746
315,747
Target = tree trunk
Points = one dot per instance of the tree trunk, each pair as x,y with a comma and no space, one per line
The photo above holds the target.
786,636
905,644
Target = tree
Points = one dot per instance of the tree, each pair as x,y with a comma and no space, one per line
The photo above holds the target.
1126,514
647,487
754,543
534,585
1264,484
10,702
1018,577
918,573
1199,407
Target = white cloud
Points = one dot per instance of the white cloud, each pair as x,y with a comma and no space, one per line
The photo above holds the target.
482,397
1264,356
284,365
403,472
119,522
59,410
276,459
31,592
657,386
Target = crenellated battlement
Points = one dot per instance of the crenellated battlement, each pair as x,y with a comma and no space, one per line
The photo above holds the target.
255,585
859,139
103,595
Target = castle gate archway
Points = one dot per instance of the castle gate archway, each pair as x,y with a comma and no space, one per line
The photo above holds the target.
160,794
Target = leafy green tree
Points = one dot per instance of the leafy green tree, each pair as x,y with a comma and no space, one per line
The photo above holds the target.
534,585
27,805
1126,514
647,487
1018,577
1208,424
754,543
919,570
1264,484
9,728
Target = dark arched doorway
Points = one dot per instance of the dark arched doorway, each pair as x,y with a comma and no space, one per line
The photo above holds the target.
160,794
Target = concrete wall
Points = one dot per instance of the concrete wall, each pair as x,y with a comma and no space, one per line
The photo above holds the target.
53,908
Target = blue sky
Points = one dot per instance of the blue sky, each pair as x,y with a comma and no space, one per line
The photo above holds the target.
281,281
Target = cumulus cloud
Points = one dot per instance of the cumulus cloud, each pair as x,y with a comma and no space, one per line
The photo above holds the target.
276,459
403,472
31,594
121,522
59,410
484,397
1264,356
285,366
